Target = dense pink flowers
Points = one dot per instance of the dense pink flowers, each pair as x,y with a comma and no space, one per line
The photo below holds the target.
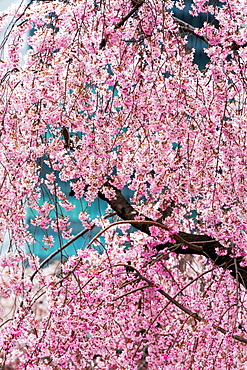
108,97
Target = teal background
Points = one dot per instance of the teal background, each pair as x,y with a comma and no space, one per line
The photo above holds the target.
97,208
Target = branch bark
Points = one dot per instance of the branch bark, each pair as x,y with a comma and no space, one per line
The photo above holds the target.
186,27
205,245
137,5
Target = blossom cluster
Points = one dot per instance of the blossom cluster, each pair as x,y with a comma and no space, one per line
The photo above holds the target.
108,97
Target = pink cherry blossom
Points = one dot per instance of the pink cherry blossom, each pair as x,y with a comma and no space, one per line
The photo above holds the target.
108,108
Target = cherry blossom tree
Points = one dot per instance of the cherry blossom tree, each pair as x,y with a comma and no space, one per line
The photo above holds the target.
108,97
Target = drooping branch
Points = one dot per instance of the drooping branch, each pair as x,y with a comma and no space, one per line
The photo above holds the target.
206,246
186,27
14,22
195,315
64,246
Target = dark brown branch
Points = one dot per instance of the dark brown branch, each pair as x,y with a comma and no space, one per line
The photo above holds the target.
183,26
14,22
66,136
137,5
206,246
171,299
123,209
186,27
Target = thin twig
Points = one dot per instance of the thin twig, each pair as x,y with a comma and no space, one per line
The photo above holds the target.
187,311
80,234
